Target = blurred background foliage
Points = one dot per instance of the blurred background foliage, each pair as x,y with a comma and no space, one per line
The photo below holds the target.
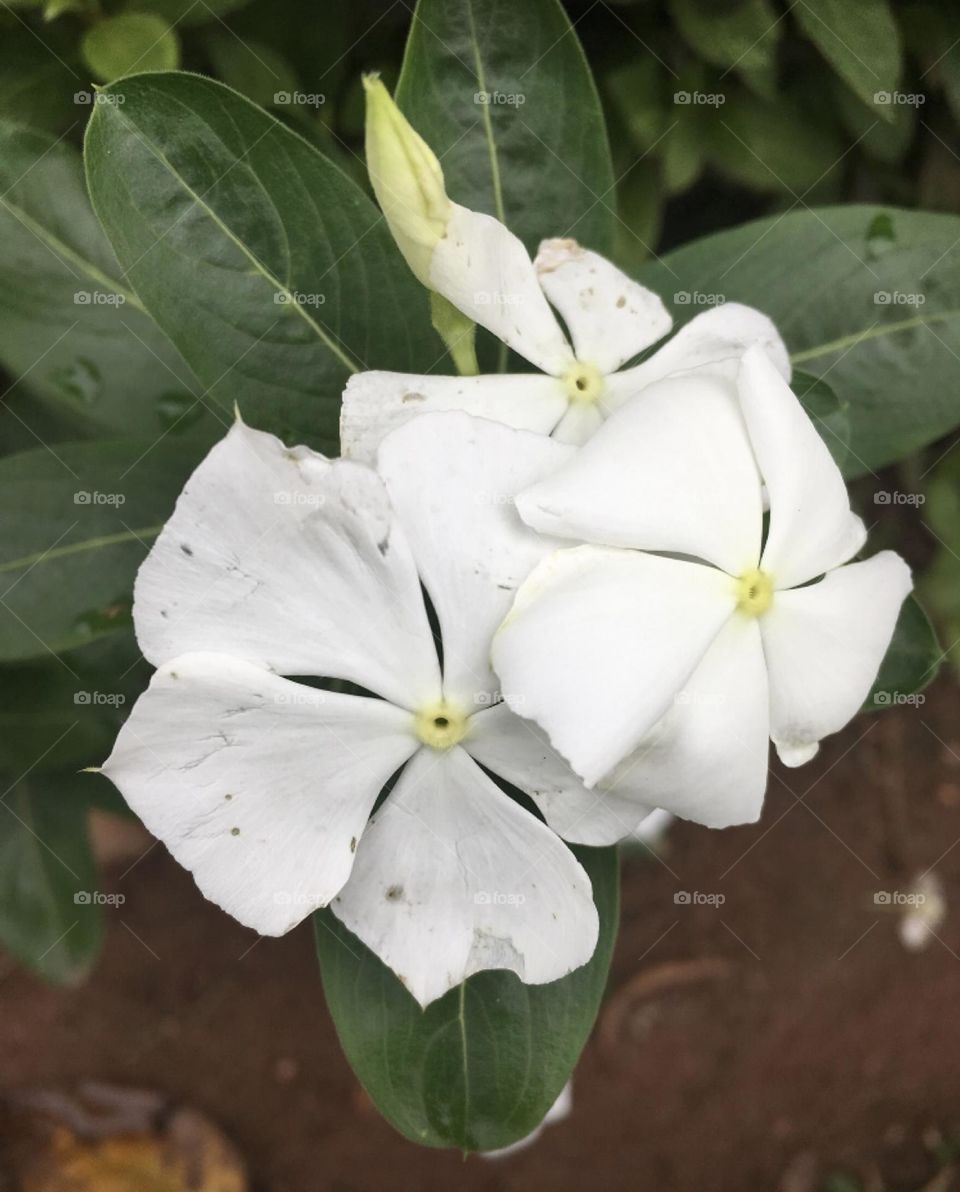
719,111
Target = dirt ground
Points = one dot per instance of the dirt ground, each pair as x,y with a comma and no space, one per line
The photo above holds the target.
785,1040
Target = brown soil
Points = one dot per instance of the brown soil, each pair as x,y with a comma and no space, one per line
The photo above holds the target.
770,1043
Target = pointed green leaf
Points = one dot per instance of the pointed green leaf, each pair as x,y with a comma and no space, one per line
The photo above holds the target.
70,325
48,917
868,297
76,521
503,95
861,41
479,1068
268,268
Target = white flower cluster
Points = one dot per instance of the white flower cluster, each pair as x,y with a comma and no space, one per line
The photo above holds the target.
609,587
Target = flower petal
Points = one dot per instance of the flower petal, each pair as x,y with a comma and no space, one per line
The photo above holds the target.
713,342
616,632
484,270
452,480
671,471
579,423
453,877
824,644
610,317
375,403
281,557
706,759
260,787
811,525
518,751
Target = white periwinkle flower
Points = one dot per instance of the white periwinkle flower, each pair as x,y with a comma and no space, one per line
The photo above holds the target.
278,562
481,268
675,667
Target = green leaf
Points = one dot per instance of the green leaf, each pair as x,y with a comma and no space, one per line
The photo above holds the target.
130,42
481,1067
861,41
268,268
773,147
188,12
37,83
940,585
70,325
255,70
911,662
742,37
45,864
844,285
503,95
76,521
830,415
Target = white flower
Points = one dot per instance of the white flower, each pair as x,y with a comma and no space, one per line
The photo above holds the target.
484,271
673,669
279,562
477,265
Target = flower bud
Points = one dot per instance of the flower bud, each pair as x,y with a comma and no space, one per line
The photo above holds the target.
406,178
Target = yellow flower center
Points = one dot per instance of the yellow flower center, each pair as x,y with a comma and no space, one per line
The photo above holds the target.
583,382
754,593
441,725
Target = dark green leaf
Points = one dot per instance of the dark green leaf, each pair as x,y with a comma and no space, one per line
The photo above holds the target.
742,38
502,93
867,296
49,918
912,660
270,270
255,70
36,86
479,1068
75,523
830,415
861,41
188,12
70,325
